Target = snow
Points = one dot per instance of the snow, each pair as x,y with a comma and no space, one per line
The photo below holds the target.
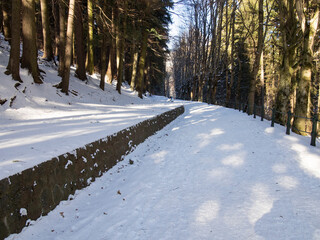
213,173
44,123
23,212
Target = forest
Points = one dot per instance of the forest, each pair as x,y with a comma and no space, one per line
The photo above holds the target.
252,53
124,40
244,54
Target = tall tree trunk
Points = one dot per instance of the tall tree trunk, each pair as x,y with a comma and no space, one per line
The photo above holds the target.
253,82
6,20
62,36
142,60
288,27
228,87
121,35
109,13
103,61
238,93
13,67
309,26
30,53
109,70
68,56
103,48
233,16
134,67
47,43
90,64
55,15
196,73
217,51
262,83
213,48
79,41
112,66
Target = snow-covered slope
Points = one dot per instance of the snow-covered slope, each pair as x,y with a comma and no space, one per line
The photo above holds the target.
213,173
43,123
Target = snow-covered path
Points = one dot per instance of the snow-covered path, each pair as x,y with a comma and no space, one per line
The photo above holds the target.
213,173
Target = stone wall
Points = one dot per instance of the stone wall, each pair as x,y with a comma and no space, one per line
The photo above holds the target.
38,190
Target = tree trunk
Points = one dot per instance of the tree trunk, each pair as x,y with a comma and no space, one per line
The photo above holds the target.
288,27
238,93
14,61
309,28
103,61
285,87
30,52
217,51
6,20
47,43
112,66
121,47
62,36
79,41
134,68
142,60
252,90
103,50
68,56
109,70
55,15
212,58
90,64
233,16
228,87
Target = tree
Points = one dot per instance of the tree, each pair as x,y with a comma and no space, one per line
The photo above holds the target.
142,62
256,65
103,29
62,36
47,43
289,36
90,60
13,67
308,15
79,41
6,20
121,44
66,73
30,53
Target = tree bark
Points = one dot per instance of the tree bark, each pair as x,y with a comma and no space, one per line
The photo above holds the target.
47,43
90,64
79,42
288,28
212,55
13,67
134,68
121,35
68,56
62,36
103,49
309,26
55,15
253,82
141,65
6,20
30,53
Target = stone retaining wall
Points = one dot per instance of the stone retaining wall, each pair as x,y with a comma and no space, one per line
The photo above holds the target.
38,190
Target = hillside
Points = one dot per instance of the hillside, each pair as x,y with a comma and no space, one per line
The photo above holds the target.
39,122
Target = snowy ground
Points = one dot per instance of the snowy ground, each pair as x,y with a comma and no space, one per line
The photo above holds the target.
43,123
213,173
